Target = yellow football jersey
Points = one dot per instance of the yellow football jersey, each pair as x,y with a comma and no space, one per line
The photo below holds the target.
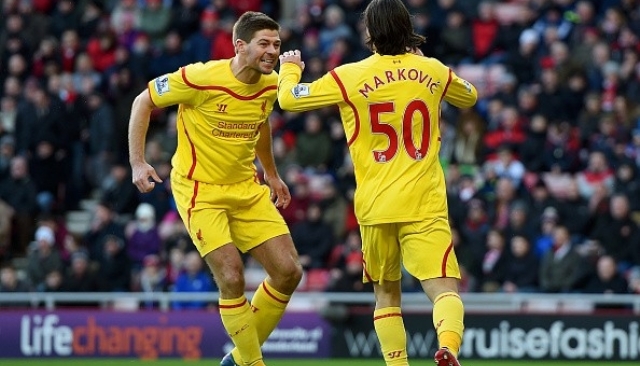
218,119
390,108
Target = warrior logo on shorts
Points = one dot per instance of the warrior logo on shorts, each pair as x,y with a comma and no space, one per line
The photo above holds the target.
162,84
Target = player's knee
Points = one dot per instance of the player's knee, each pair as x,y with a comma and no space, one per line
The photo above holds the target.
290,274
231,283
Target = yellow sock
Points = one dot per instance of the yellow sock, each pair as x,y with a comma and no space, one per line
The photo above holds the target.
448,318
268,305
237,319
391,335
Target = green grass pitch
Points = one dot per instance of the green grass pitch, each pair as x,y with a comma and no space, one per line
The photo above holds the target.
297,362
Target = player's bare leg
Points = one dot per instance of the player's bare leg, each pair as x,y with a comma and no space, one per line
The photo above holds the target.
228,271
279,259
388,323
448,318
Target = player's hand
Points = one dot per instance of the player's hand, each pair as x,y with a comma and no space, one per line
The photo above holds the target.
293,57
279,191
144,177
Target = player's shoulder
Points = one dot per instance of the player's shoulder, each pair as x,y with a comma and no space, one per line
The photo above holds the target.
202,74
353,68
432,62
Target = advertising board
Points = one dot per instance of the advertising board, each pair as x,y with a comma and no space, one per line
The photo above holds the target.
148,335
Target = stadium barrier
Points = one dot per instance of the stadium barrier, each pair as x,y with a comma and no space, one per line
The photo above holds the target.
318,325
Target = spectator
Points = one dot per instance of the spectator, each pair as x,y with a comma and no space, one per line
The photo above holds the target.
81,276
346,269
114,270
153,277
494,262
334,29
143,237
616,232
574,210
192,279
313,145
200,44
52,283
154,20
606,279
10,282
19,192
548,223
466,150
597,173
100,138
103,225
313,238
171,57
562,268
508,166
118,190
530,150
521,274
455,39
44,257
519,224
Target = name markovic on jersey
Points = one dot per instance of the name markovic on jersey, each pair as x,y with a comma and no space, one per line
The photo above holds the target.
391,76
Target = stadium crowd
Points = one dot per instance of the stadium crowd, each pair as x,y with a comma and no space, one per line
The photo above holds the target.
543,174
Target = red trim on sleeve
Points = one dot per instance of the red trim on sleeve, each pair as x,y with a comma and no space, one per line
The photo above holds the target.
446,87
226,90
444,260
345,96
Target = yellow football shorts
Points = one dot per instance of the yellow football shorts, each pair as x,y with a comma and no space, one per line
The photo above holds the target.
240,213
424,248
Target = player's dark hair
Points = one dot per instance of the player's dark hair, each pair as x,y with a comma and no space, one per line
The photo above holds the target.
251,22
390,28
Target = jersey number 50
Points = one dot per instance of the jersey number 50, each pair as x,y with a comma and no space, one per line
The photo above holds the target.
377,127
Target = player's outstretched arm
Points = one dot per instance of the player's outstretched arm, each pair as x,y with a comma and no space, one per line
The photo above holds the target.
460,92
142,173
294,96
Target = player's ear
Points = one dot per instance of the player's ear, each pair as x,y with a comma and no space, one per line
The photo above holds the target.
240,46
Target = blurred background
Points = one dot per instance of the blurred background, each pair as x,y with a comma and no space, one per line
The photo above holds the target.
542,174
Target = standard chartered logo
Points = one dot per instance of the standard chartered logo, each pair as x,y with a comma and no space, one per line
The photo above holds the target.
556,341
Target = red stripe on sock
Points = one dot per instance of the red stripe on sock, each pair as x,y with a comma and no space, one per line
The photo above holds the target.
390,315
447,295
264,286
232,306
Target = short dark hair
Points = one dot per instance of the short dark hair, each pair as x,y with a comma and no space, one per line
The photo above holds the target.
390,28
251,22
